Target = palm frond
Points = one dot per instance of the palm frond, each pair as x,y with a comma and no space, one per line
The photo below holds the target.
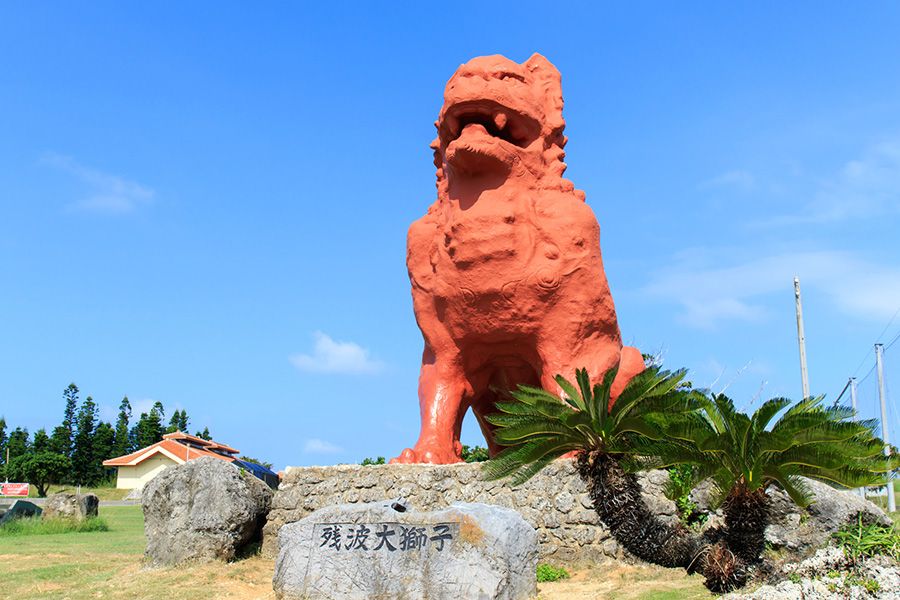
571,394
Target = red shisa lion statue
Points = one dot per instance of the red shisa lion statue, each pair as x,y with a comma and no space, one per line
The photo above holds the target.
507,281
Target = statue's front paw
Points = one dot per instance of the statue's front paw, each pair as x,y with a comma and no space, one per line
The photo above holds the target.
427,453
407,457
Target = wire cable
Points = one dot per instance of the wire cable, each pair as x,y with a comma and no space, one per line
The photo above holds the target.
893,341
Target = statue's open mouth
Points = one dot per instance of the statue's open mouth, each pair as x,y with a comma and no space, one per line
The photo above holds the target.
485,129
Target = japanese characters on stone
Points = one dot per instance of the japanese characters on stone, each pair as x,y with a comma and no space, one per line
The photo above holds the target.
384,537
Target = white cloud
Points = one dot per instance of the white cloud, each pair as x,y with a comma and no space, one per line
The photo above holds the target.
141,405
330,356
109,194
865,187
317,446
710,295
110,412
740,179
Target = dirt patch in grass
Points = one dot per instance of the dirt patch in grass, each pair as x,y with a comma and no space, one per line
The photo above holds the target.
626,582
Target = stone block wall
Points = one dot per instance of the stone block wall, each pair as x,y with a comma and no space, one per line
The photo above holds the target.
554,502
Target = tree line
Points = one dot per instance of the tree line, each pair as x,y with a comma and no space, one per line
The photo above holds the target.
74,451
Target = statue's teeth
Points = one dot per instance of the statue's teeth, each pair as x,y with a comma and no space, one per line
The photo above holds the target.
453,126
500,120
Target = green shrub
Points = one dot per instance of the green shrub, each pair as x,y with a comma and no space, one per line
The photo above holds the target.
870,585
39,526
372,461
547,572
860,540
678,489
472,454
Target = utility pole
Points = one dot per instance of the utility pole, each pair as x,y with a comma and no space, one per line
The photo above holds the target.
879,352
801,339
861,491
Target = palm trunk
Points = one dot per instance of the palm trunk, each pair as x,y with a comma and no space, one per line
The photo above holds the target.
727,561
616,496
722,569
746,519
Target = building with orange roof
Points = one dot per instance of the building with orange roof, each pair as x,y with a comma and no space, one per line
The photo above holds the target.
139,467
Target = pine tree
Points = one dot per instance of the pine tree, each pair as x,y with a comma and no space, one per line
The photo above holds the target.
18,444
104,448
205,434
41,442
83,445
123,439
133,434
149,428
184,421
154,426
3,442
174,422
62,438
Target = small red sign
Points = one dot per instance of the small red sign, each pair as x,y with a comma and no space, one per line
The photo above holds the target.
13,489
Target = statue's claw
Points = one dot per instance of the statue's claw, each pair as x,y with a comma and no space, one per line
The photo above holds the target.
431,454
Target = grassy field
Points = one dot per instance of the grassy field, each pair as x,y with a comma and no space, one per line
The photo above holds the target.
104,493
78,566
109,565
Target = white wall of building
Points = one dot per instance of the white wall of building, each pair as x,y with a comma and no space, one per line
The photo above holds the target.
137,476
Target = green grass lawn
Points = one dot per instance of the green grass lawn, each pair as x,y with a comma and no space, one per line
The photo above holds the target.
59,565
104,492
109,564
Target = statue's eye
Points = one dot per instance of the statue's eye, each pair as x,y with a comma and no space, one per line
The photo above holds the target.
504,76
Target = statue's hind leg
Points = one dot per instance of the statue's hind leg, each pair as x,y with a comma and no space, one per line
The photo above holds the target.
597,360
481,408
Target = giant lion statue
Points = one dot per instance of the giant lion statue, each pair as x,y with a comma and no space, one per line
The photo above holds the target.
507,280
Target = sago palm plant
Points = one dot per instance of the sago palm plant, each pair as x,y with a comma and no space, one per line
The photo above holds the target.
538,427
745,455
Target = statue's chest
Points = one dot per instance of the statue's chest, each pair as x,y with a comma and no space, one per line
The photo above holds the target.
487,241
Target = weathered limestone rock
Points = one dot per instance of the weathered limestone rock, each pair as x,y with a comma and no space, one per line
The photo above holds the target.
554,502
203,510
71,506
830,575
829,510
374,551
803,530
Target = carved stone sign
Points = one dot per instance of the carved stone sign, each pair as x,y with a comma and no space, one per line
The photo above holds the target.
383,550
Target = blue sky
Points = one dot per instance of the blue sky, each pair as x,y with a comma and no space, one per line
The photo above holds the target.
207,205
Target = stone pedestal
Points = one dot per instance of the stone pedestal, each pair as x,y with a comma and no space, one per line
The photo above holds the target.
554,502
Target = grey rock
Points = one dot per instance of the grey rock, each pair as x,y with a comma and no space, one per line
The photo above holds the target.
71,506
492,554
17,509
828,574
203,510
803,531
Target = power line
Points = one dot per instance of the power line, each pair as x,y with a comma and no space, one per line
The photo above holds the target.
868,374
893,341
891,322
886,327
